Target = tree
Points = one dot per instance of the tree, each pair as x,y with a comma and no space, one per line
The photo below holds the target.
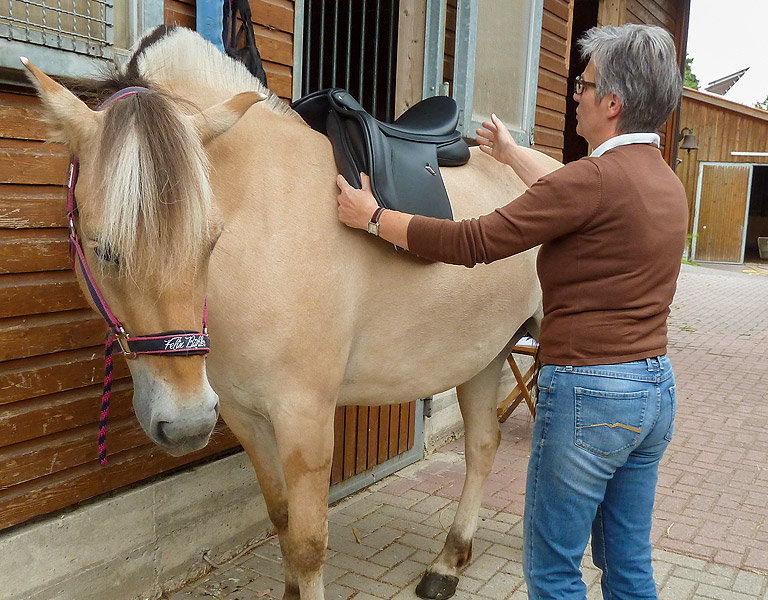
690,80
763,104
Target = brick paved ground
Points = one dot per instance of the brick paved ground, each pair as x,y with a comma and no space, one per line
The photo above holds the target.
711,522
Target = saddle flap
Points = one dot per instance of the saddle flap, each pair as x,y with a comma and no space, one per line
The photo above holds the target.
400,159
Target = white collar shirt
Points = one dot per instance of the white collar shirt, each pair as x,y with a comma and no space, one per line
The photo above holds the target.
624,139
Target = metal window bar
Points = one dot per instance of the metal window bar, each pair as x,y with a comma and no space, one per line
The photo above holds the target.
81,26
352,45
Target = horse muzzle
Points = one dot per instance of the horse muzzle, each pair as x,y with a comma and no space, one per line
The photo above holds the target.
178,422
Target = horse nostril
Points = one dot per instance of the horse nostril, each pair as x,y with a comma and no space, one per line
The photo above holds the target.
216,409
160,432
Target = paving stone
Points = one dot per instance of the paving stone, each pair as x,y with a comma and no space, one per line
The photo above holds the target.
430,505
372,522
506,551
406,500
495,537
677,589
484,566
357,565
704,577
750,583
709,591
381,538
469,584
422,529
416,541
360,582
500,586
393,554
335,591
404,573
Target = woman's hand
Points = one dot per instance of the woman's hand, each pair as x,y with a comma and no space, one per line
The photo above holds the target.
496,140
356,207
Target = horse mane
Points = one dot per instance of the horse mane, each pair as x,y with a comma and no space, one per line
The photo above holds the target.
170,52
151,171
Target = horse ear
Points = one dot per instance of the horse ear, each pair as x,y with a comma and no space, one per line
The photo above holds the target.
70,120
217,119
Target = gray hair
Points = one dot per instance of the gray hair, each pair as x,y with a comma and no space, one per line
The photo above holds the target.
637,63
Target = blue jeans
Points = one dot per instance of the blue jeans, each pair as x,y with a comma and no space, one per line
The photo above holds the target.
599,434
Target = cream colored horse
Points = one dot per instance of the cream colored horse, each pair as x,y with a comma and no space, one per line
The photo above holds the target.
239,202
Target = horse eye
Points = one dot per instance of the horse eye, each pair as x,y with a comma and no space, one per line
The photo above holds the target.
107,254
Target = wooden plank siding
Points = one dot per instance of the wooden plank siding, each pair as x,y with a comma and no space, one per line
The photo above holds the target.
366,436
721,127
722,207
669,14
273,30
52,344
552,88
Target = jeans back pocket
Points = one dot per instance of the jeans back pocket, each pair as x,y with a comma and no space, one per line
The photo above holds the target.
609,422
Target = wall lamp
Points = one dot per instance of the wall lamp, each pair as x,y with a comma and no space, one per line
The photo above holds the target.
688,139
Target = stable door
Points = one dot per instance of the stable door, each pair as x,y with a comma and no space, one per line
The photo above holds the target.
722,201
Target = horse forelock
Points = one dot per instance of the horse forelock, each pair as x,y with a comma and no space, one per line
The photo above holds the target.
155,199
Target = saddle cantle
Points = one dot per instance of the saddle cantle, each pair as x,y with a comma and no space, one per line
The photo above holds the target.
402,158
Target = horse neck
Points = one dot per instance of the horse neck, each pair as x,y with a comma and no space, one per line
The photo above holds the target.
276,166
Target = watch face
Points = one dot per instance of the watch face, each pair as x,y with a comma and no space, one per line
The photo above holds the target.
373,228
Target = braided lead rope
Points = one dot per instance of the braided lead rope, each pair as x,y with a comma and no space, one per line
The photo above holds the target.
105,398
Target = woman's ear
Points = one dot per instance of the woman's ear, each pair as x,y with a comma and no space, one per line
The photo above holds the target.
614,105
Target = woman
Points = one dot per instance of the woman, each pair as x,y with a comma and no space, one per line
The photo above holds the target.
612,229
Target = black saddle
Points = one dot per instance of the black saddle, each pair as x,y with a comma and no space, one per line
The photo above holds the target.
402,158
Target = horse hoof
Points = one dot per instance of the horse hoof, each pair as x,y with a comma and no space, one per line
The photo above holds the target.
434,586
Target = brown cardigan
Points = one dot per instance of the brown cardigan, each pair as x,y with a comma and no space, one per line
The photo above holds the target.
612,230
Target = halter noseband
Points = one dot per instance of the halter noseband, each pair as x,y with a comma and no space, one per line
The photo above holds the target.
170,343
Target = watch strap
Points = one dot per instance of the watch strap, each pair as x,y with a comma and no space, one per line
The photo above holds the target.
377,214
373,223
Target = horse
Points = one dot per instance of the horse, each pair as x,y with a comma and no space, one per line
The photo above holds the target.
204,188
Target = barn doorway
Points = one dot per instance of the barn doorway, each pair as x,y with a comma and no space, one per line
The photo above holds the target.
584,18
757,220
731,212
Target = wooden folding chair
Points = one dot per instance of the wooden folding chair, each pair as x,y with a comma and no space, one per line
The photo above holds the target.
525,383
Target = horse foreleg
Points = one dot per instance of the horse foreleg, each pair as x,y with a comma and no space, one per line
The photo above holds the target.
305,442
477,401
257,437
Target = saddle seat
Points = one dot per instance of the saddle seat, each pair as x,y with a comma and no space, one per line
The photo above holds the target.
402,158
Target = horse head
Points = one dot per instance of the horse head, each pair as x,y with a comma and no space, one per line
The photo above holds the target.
144,226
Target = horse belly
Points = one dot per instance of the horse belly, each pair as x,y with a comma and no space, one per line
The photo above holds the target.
435,326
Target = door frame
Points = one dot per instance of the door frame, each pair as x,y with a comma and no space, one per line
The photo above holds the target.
698,202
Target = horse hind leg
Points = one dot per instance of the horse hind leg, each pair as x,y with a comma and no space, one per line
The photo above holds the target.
257,437
477,401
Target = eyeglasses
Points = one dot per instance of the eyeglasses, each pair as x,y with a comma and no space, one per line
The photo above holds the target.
579,83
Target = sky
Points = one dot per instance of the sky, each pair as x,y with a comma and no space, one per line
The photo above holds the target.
725,36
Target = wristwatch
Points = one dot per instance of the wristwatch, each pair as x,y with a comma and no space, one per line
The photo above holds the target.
373,224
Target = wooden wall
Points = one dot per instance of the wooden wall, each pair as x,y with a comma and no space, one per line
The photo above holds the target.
553,77
670,14
273,29
52,344
721,127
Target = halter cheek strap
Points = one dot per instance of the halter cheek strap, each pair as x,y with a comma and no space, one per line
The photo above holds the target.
172,343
